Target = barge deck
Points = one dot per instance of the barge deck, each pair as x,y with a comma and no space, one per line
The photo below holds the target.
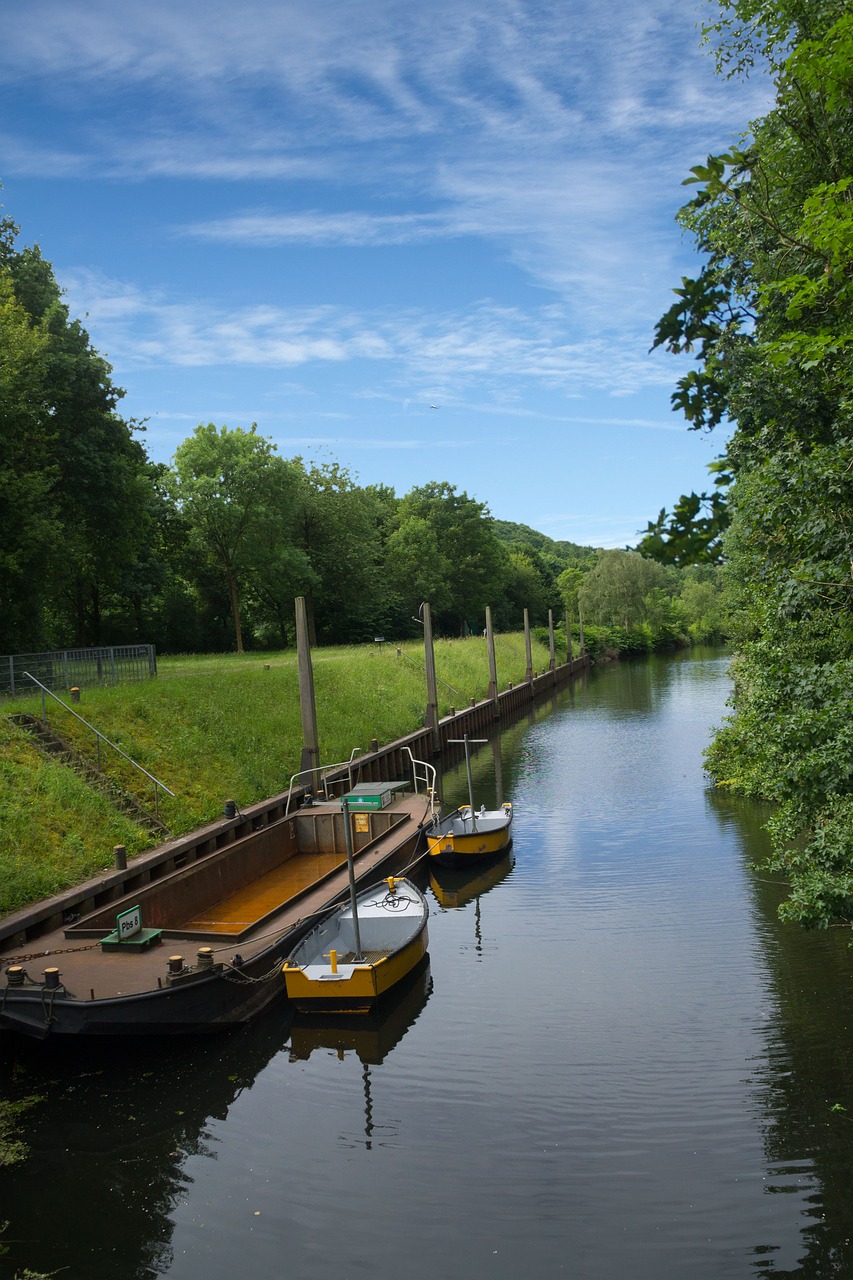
222,930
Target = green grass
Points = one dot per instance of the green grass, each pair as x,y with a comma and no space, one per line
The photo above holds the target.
212,728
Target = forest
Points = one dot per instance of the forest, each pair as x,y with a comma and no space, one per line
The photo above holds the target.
99,545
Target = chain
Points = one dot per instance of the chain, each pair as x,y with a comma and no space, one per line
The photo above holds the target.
38,955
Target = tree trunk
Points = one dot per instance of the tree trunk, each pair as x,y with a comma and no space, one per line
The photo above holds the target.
234,598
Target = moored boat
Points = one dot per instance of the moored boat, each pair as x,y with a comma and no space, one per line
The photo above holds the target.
468,835
465,836
227,921
361,951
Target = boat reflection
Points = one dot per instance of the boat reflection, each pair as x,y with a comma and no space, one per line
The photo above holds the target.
455,887
370,1036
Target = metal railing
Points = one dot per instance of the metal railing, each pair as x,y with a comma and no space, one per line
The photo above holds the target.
422,773
102,737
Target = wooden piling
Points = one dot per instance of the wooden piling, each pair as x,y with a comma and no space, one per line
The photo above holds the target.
307,704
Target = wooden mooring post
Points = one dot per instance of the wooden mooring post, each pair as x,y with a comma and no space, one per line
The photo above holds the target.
493,666
528,652
432,690
307,705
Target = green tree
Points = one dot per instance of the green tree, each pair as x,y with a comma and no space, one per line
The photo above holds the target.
86,522
339,533
614,592
467,543
237,498
770,323
29,530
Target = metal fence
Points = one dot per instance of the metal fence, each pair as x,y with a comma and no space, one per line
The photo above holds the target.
80,668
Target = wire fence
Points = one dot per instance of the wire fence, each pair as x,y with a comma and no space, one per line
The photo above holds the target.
77,668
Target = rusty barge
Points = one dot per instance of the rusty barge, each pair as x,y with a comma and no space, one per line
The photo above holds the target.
200,947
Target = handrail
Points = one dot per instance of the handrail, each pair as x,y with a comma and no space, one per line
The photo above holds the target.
101,737
324,771
427,776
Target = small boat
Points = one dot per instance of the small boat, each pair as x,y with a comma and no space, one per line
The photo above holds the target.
361,951
468,835
465,836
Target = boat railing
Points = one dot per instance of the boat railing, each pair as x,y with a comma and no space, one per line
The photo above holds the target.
423,777
423,773
99,738
326,777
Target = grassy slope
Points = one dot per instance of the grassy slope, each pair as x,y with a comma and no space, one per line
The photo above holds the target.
211,729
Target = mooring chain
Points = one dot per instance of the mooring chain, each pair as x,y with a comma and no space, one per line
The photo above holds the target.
39,955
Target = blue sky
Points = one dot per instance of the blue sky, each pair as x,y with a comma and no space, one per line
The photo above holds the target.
431,241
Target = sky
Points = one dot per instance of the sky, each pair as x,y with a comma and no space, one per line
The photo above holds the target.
430,241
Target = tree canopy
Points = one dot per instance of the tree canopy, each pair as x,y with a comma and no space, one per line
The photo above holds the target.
771,326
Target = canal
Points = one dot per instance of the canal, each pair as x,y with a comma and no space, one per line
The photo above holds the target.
619,1063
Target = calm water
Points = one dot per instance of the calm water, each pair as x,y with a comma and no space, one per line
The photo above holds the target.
618,1065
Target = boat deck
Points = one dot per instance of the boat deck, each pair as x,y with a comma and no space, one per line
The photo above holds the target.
277,903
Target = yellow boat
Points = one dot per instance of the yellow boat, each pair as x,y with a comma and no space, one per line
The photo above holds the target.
361,951
465,836
468,835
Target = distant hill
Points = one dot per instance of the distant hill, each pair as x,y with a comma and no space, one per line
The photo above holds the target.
521,535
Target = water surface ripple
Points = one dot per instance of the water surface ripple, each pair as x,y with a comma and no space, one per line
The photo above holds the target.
619,1064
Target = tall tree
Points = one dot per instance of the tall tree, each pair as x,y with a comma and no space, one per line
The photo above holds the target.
769,318
238,500
465,539
87,518
615,591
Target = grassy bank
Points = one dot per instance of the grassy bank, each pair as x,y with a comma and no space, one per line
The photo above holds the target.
212,728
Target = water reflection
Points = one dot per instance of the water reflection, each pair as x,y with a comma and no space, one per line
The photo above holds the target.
456,887
803,1080
109,1142
369,1037
628,1067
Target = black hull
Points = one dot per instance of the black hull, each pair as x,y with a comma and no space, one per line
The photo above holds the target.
203,1004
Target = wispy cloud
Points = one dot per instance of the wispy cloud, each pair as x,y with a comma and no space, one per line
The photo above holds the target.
319,228
439,353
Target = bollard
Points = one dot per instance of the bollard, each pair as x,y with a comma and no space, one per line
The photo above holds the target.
204,958
230,809
176,964
120,856
51,979
15,975
75,694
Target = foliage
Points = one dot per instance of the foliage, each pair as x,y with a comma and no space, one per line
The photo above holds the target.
467,552
237,500
770,319
72,479
615,591
692,533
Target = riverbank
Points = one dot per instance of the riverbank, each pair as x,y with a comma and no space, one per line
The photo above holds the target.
211,728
